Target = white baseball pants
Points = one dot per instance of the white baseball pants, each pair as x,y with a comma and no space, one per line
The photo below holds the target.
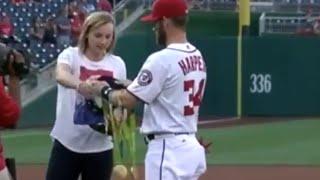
174,157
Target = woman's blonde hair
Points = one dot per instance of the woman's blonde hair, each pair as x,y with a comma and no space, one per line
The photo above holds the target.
94,21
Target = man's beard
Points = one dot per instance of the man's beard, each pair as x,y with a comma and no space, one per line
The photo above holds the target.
162,37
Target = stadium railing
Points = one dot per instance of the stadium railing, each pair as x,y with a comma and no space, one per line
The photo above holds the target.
284,23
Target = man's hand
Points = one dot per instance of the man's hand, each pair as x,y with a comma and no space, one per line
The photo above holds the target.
205,145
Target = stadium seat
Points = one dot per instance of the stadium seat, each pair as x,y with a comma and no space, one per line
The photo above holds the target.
54,15
4,4
30,6
49,11
12,10
24,10
58,50
55,5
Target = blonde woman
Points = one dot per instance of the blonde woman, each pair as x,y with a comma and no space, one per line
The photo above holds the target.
79,149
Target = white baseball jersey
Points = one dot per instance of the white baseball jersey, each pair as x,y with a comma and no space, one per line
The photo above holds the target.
82,138
171,83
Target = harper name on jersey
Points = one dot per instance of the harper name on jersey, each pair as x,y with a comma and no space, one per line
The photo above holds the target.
192,63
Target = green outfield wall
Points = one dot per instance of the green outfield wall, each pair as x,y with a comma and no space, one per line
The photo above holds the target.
281,76
40,112
220,23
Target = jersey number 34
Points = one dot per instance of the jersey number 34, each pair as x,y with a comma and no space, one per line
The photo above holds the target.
195,96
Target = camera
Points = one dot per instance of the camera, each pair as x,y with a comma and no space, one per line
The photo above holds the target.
9,44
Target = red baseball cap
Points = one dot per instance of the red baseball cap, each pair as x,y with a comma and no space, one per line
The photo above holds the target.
166,8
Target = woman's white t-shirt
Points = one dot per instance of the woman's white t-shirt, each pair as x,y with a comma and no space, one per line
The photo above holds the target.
82,138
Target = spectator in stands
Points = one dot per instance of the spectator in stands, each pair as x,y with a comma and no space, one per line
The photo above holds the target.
86,7
80,148
74,10
104,5
76,24
36,30
76,16
63,27
9,106
50,32
307,29
18,1
316,27
309,19
194,4
6,26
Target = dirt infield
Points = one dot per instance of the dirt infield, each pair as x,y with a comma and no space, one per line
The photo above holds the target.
37,172
217,172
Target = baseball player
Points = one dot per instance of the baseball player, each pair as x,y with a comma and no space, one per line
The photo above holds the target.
171,83
79,148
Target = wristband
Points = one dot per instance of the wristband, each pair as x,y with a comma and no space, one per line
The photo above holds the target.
105,91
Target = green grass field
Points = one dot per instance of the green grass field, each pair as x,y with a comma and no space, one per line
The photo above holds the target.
292,142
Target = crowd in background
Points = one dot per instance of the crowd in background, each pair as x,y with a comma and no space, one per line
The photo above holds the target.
64,29
44,32
312,24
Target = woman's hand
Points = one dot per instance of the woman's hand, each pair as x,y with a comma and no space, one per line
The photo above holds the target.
84,89
96,86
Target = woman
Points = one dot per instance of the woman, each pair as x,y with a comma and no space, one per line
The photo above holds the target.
50,32
78,148
37,29
6,26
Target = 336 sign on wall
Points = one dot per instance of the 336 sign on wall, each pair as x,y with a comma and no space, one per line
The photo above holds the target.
260,83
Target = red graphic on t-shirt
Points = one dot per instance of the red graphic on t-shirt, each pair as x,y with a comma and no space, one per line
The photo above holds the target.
86,73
